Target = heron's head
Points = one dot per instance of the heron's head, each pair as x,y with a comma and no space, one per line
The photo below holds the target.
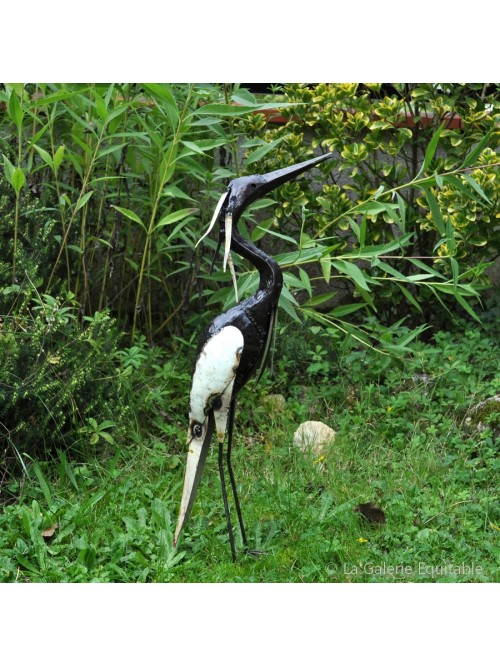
243,191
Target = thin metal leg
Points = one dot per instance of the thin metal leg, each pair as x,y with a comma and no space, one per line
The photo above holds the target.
226,505
231,473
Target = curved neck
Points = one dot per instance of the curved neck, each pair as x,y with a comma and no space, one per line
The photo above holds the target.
271,277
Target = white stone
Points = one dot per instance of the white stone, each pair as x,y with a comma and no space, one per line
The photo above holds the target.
314,436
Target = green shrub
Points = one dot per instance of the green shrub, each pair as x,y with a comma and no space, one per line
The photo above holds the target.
129,176
405,180
58,371
57,378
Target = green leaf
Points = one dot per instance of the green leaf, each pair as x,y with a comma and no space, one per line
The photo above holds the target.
283,237
419,277
43,484
289,280
305,281
57,97
382,249
174,191
193,147
100,107
44,155
58,157
175,231
473,183
362,232
302,256
109,94
353,271
110,149
67,469
319,299
402,212
467,307
431,149
210,144
326,268
284,303
460,185
411,335
18,180
84,200
450,236
409,296
9,169
118,112
355,228
175,217
243,96
347,309
388,269
426,268
169,108
15,112
107,436
167,164
374,207
435,211
233,110
263,150
454,270
130,215
472,156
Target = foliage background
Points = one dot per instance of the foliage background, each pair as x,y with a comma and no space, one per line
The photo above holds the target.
105,190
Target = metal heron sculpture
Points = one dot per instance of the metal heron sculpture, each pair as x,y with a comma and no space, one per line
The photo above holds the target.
236,343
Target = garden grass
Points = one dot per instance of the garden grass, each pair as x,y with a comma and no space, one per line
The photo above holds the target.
400,444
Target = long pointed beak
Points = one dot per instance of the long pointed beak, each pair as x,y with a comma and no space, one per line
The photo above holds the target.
274,179
247,189
197,455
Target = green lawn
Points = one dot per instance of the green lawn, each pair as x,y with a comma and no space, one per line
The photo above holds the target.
403,442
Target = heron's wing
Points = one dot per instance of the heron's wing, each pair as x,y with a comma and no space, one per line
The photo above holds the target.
215,369
211,393
268,343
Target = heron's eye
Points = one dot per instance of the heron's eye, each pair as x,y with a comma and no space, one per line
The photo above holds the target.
196,430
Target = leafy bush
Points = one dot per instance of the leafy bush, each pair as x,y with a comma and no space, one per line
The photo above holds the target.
58,374
413,176
129,175
57,379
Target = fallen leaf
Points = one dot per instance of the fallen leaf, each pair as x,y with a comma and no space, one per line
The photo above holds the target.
371,512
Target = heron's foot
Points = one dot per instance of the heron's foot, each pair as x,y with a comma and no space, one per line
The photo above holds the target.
254,552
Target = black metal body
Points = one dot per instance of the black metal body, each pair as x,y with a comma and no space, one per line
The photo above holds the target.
254,318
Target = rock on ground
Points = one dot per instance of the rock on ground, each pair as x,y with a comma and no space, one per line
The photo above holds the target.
486,413
314,436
